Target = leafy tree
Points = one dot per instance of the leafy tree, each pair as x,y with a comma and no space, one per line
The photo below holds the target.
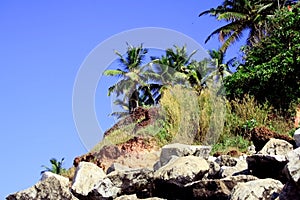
271,71
56,166
242,15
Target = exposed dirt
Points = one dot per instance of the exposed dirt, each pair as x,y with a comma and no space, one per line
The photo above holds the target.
140,116
261,135
138,152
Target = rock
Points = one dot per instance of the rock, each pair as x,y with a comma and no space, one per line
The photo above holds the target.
135,181
263,189
51,187
214,170
104,189
47,174
231,166
297,137
251,149
225,160
117,183
181,150
291,188
215,189
290,191
292,169
183,170
134,197
87,175
117,167
276,147
267,166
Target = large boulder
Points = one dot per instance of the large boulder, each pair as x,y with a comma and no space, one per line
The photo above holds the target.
292,169
117,183
87,175
291,189
276,147
263,189
134,197
183,170
231,166
215,189
267,166
50,187
181,150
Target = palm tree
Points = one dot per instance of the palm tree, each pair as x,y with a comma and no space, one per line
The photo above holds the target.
56,166
134,80
242,15
218,70
177,67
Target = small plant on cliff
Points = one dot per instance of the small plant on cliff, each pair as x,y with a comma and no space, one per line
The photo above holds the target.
56,166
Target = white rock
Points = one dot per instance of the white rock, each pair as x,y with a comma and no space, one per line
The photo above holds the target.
51,187
181,150
87,175
276,147
293,167
185,169
263,189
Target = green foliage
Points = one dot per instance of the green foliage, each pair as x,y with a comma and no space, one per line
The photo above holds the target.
120,135
271,71
181,110
56,166
228,142
242,15
243,115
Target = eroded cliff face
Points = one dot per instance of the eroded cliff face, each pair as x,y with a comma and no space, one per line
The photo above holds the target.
178,171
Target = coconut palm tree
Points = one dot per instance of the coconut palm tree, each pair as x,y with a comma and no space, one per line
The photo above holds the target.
56,166
218,70
134,80
242,15
177,67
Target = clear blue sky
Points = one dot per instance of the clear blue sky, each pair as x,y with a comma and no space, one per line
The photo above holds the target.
42,45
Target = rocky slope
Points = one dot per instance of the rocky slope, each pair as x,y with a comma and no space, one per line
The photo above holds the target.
176,171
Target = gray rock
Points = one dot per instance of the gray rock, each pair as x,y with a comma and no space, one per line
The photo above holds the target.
46,175
216,189
183,169
87,175
117,183
181,150
276,147
226,160
251,149
52,187
297,137
239,168
134,197
263,189
290,191
104,189
117,167
214,171
292,169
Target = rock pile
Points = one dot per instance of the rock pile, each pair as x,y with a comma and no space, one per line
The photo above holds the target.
183,172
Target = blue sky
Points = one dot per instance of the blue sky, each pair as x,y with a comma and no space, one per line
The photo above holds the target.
42,46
